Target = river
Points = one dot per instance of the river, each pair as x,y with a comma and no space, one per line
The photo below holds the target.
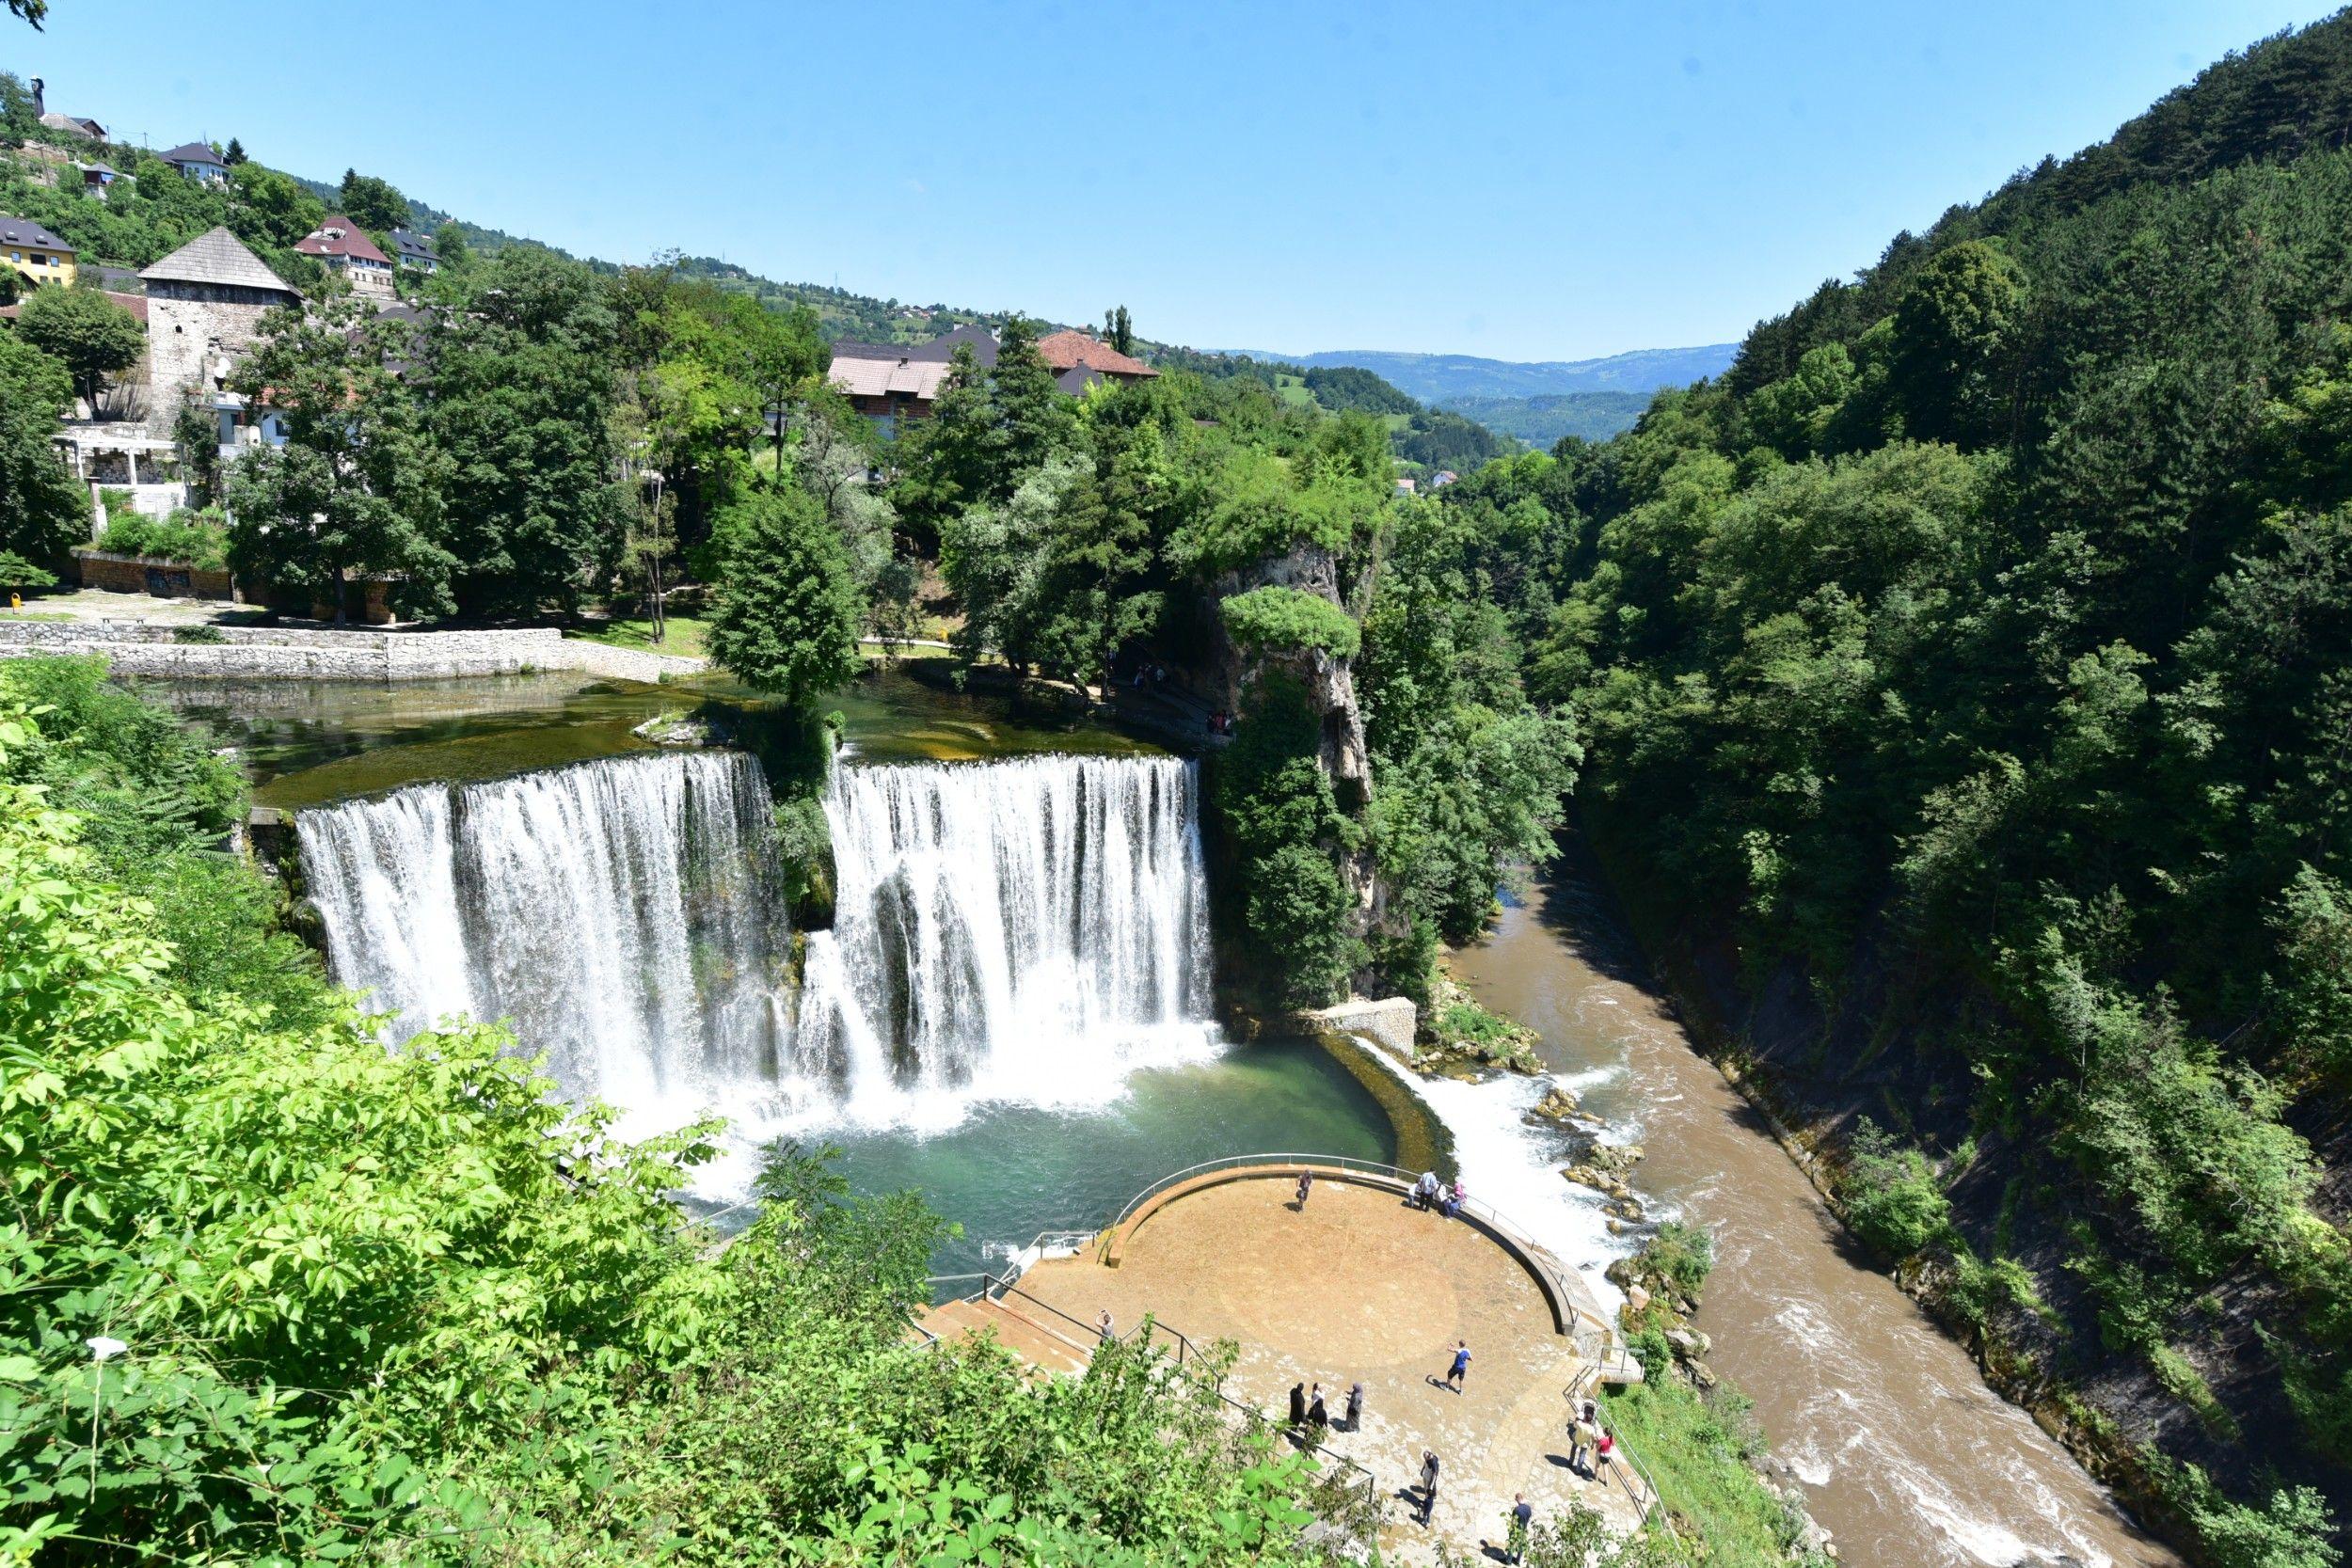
1904,1454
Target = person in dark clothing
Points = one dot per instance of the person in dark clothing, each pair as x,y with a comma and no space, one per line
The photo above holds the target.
1428,1485
1318,1416
1514,1534
1306,1185
1355,1407
1299,1406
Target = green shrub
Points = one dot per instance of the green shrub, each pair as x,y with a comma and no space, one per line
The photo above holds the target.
1288,619
195,538
1682,1254
1890,1194
2292,1529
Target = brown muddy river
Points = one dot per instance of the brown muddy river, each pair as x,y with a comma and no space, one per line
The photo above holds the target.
1904,1454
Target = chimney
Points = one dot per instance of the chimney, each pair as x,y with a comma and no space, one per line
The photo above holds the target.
39,107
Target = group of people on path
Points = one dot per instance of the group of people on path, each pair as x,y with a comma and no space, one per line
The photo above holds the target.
1592,1446
1310,1417
1446,1199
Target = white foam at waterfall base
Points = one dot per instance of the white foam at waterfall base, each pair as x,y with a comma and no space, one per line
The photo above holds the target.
1514,1165
1031,931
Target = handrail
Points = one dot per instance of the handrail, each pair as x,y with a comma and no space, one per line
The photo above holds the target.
1183,1342
1486,1213
1006,1287
1624,1451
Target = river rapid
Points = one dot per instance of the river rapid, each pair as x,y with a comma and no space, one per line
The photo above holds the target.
1904,1454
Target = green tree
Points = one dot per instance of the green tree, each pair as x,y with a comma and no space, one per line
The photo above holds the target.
785,609
91,336
43,508
358,488
17,119
1118,330
271,210
521,369
1953,326
375,205
235,155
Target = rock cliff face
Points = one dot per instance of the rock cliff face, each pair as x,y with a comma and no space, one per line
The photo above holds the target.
1344,758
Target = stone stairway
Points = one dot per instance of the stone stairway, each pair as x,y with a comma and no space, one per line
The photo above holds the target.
1058,1349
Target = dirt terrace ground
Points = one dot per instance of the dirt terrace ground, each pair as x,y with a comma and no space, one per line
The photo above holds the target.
1361,1286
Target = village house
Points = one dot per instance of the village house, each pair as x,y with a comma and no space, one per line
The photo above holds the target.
71,124
416,252
40,256
342,246
96,177
1079,360
196,161
888,382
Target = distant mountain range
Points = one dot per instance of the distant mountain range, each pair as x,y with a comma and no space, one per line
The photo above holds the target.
1440,378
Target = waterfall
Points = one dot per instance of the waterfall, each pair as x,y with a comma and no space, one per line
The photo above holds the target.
624,914
1030,930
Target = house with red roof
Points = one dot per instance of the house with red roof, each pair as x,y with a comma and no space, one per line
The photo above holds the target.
342,246
887,382
1079,360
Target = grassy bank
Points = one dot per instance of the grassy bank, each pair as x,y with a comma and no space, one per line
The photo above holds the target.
1699,1450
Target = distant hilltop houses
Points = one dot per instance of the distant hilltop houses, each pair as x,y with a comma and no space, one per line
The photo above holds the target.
889,382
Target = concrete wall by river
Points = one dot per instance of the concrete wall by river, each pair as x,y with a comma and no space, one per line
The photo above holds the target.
137,648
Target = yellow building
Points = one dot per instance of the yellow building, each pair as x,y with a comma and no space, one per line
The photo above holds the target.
34,252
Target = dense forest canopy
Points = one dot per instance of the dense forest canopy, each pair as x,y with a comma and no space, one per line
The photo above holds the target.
1971,668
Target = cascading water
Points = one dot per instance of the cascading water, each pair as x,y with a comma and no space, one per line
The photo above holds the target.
1029,930
624,914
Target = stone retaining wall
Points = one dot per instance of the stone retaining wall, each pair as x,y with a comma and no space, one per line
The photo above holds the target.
167,579
140,648
1390,1020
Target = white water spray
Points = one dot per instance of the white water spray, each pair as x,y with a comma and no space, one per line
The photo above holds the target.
1030,930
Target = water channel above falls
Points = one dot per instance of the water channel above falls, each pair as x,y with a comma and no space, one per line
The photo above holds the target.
1903,1451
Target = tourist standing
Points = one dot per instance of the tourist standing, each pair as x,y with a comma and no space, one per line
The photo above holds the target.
1355,1406
1318,1416
1460,1369
1581,1436
1104,1328
1299,1406
1425,1191
1306,1185
1428,1485
1604,1451
1515,1540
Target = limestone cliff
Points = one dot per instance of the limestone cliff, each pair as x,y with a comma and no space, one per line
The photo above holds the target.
1343,755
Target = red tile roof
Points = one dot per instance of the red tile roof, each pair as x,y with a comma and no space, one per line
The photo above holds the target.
340,236
1067,351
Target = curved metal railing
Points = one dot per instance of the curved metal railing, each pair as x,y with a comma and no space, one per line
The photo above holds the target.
1571,1293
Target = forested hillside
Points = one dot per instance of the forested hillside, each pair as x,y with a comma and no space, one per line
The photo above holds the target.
1449,378
1543,421
1966,684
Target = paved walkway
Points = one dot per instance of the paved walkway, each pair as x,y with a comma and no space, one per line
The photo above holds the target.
1361,1286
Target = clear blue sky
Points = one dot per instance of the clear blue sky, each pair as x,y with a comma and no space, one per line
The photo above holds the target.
1518,181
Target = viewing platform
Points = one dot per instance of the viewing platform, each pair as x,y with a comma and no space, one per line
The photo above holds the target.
1358,1285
